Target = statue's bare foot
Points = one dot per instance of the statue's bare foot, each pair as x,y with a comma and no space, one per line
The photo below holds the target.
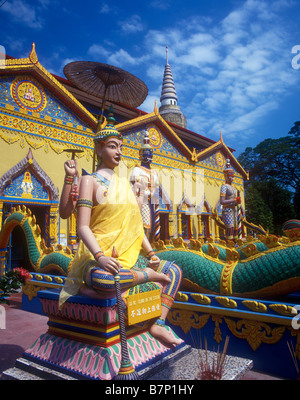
161,333
154,276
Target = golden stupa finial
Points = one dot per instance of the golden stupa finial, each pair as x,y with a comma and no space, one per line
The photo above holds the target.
155,108
221,137
32,56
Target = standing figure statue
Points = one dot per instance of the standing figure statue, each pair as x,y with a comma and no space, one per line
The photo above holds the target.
229,201
108,218
145,186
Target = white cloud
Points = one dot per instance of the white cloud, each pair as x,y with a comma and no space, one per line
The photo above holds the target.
132,25
105,9
99,52
250,72
160,5
108,8
24,13
229,74
149,103
122,58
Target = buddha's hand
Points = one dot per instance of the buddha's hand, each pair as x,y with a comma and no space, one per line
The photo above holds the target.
71,167
109,264
154,262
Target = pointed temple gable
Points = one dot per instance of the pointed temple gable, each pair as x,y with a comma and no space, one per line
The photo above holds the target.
27,181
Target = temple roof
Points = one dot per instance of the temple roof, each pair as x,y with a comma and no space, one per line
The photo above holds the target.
155,117
32,66
220,145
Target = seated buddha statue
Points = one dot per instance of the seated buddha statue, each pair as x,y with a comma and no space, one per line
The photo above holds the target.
109,217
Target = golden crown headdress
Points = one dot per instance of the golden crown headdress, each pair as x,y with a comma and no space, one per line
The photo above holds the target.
108,129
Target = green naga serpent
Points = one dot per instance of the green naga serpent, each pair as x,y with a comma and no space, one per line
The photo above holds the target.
43,259
259,268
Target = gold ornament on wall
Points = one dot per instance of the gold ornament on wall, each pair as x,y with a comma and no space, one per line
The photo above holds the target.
28,94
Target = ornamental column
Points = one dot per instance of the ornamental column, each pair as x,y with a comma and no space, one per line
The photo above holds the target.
172,225
217,232
72,229
53,224
199,225
179,217
3,253
1,214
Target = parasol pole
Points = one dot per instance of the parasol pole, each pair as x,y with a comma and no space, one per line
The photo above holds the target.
99,125
101,118
126,371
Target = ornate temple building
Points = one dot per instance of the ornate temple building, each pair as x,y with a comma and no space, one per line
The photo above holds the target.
44,118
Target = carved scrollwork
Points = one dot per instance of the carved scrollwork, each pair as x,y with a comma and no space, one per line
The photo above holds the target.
283,309
182,297
200,298
30,290
255,332
226,302
187,319
255,306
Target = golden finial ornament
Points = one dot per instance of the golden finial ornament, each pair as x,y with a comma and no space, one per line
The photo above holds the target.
33,56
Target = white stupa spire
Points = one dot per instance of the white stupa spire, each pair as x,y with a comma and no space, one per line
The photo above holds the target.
167,54
168,92
169,109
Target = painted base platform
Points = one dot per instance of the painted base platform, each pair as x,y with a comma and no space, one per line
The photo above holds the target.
26,369
83,342
181,365
82,361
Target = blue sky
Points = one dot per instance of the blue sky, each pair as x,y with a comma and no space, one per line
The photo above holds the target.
231,60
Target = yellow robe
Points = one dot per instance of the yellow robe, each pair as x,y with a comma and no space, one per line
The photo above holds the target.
115,222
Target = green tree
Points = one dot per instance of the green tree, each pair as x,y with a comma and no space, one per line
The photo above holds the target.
269,205
274,158
297,203
257,210
274,170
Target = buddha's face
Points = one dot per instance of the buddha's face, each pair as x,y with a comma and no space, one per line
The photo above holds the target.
110,153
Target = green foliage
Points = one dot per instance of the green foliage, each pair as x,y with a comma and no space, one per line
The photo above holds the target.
269,205
11,282
257,210
297,203
274,158
273,190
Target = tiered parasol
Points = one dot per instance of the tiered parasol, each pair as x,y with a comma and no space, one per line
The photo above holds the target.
107,82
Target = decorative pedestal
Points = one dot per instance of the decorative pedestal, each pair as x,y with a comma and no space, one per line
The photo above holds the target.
83,342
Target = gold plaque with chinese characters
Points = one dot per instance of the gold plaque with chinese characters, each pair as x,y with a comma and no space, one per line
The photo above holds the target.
143,306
